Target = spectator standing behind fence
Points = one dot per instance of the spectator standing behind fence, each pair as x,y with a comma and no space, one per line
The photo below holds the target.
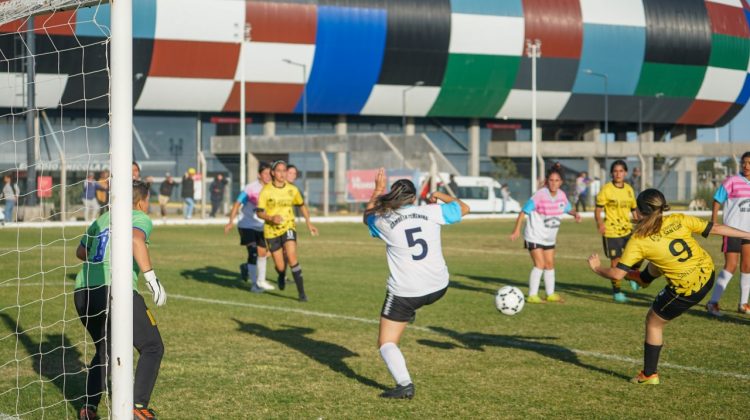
635,181
88,196
10,197
165,193
187,192
217,193
102,193
582,191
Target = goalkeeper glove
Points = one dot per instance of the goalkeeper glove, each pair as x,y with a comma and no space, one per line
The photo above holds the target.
157,290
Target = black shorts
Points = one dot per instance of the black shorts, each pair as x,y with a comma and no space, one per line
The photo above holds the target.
733,245
251,237
670,304
534,245
275,244
613,247
402,309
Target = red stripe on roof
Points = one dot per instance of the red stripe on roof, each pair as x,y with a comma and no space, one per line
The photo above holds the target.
704,112
265,97
557,23
59,23
209,60
291,23
727,20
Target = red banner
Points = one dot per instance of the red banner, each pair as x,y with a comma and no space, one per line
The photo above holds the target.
44,186
359,185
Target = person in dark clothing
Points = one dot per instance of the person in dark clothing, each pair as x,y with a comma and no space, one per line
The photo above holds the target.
216,190
188,191
165,193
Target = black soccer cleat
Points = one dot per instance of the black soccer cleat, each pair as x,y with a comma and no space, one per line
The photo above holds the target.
303,298
282,282
400,392
244,274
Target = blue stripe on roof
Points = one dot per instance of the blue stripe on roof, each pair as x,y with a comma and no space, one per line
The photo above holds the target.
616,51
488,7
349,51
745,92
144,20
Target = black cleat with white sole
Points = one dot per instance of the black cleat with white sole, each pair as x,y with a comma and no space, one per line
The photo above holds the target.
400,392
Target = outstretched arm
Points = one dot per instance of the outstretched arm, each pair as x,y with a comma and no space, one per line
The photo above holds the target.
232,215
724,230
611,273
446,198
306,215
379,189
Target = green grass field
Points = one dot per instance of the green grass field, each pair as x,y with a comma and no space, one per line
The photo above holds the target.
234,354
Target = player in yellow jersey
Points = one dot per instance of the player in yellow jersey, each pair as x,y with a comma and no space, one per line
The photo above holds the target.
275,206
667,242
617,200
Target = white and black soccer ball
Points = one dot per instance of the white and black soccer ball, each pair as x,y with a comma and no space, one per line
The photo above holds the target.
509,300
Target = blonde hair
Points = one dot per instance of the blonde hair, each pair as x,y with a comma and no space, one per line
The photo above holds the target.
651,205
402,193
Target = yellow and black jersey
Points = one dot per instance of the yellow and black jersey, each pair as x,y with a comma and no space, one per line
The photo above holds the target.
618,203
675,252
279,201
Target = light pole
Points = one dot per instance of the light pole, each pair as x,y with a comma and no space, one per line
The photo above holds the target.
640,140
606,111
304,116
534,51
403,103
243,147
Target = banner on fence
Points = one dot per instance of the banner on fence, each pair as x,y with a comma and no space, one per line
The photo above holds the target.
360,182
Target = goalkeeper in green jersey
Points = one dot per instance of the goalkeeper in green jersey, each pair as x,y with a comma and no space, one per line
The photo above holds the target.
92,304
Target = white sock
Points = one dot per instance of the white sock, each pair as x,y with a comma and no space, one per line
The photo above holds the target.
251,271
549,282
262,269
534,278
395,363
744,287
722,280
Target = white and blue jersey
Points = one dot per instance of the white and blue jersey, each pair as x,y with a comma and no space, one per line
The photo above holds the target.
249,200
545,213
734,194
413,247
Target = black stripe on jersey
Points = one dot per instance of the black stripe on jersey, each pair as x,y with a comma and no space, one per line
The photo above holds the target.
622,266
707,230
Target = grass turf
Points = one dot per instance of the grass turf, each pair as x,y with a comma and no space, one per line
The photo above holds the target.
231,353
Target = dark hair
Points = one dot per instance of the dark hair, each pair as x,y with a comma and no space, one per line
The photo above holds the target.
290,166
277,163
745,156
140,191
551,171
651,204
618,162
402,192
262,166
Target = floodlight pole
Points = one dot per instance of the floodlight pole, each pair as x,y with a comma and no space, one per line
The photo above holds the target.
606,111
533,50
121,195
303,66
403,103
243,118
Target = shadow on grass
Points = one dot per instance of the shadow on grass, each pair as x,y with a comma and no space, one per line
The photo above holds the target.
325,353
225,278
478,341
56,359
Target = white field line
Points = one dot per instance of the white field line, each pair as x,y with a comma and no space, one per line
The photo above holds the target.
514,343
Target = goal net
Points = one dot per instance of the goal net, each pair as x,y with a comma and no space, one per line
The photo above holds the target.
55,150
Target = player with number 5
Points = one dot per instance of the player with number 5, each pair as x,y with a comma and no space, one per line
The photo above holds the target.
418,274
667,242
92,300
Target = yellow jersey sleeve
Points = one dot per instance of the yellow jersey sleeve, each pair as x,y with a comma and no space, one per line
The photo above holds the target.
632,255
601,198
633,204
696,225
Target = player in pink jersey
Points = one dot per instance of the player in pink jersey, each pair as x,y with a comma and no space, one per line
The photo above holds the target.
545,210
734,195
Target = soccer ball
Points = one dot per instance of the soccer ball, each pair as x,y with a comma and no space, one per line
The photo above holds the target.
509,300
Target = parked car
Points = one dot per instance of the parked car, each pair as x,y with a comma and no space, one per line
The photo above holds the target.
485,195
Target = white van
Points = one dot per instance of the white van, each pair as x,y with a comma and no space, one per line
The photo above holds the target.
484,195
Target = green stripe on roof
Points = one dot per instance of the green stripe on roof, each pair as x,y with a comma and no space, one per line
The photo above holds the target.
475,85
729,52
676,80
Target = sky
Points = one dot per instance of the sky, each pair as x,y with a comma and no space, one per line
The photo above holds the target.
740,130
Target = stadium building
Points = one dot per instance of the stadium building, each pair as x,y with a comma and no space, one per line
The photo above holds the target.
387,82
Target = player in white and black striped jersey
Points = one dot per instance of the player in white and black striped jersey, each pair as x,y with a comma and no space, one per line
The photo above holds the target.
418,273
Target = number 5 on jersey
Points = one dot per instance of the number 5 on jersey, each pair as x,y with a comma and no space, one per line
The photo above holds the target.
412,242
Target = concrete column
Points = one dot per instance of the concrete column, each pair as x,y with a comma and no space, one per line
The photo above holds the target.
269,125
687,167
341,127
647,171
474,147
252,168
593,133
339,176
409,129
